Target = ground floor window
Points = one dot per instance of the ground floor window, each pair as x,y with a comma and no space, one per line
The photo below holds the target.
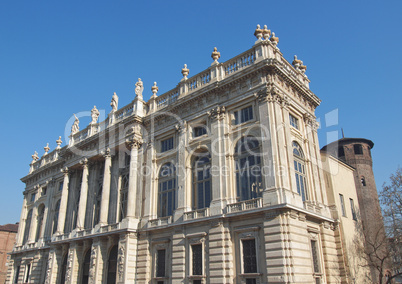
112,266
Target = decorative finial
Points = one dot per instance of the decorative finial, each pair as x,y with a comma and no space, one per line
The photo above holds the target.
303,68
266,33
46,149
114,103
154,89
94,115
75,128
35,157
139,87
258,32
216,55
274,39
185,71
58,142
296,62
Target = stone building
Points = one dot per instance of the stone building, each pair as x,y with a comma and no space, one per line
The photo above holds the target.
219,180
8,233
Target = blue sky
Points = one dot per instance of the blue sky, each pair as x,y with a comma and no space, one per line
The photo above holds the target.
59,58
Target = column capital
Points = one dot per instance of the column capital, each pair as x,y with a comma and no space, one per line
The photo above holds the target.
134,142
106,153
84,163
217,113
311,121
181,127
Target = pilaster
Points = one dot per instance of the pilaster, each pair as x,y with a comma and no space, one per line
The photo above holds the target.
178,257
127,258
83,195
182,190
218,160
104,210
63,203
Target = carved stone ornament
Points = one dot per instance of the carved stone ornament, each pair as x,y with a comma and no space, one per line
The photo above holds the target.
258,32
58,142
139,88
121,262
94,115
154,90
311,121
185,71
92,265
84,162
217,113
69,266
266,32
64,170
216,54
35,157
134,142
181,128
274,39
75,128
46,148
106,153
115,102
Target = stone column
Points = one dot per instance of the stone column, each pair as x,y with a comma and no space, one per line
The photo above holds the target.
218,160
150,192
23,217
34,224
104,210
134,143
63,203
180,170
83,195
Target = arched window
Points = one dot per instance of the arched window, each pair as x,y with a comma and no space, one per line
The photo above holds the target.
27,226
124,195
167,190
63,270
112,266
40,222
56,216
300,171
202,193
85,267
248,168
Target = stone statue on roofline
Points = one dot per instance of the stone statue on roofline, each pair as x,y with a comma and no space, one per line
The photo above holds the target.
75,128
114,103
139,87
94,115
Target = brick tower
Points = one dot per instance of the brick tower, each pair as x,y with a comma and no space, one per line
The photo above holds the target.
357,153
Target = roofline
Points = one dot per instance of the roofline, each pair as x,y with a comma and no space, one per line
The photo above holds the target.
345,141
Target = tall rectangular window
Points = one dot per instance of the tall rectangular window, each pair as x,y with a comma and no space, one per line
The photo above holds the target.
43,192
27,272
167,144
160,263
352,207
33,195
243,115
358,149
60,186
342,205
17,273
249,256
197,259
314,254
294,121
199,131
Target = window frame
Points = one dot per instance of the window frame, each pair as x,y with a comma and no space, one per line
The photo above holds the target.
294,121
243,173
198,183
343,208
243,115
300,169
165,145
245,234
167,184
161,244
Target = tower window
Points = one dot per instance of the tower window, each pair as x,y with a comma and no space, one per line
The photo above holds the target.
341,151
358,148
363,181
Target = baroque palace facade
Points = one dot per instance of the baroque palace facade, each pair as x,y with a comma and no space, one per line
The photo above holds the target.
220,180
